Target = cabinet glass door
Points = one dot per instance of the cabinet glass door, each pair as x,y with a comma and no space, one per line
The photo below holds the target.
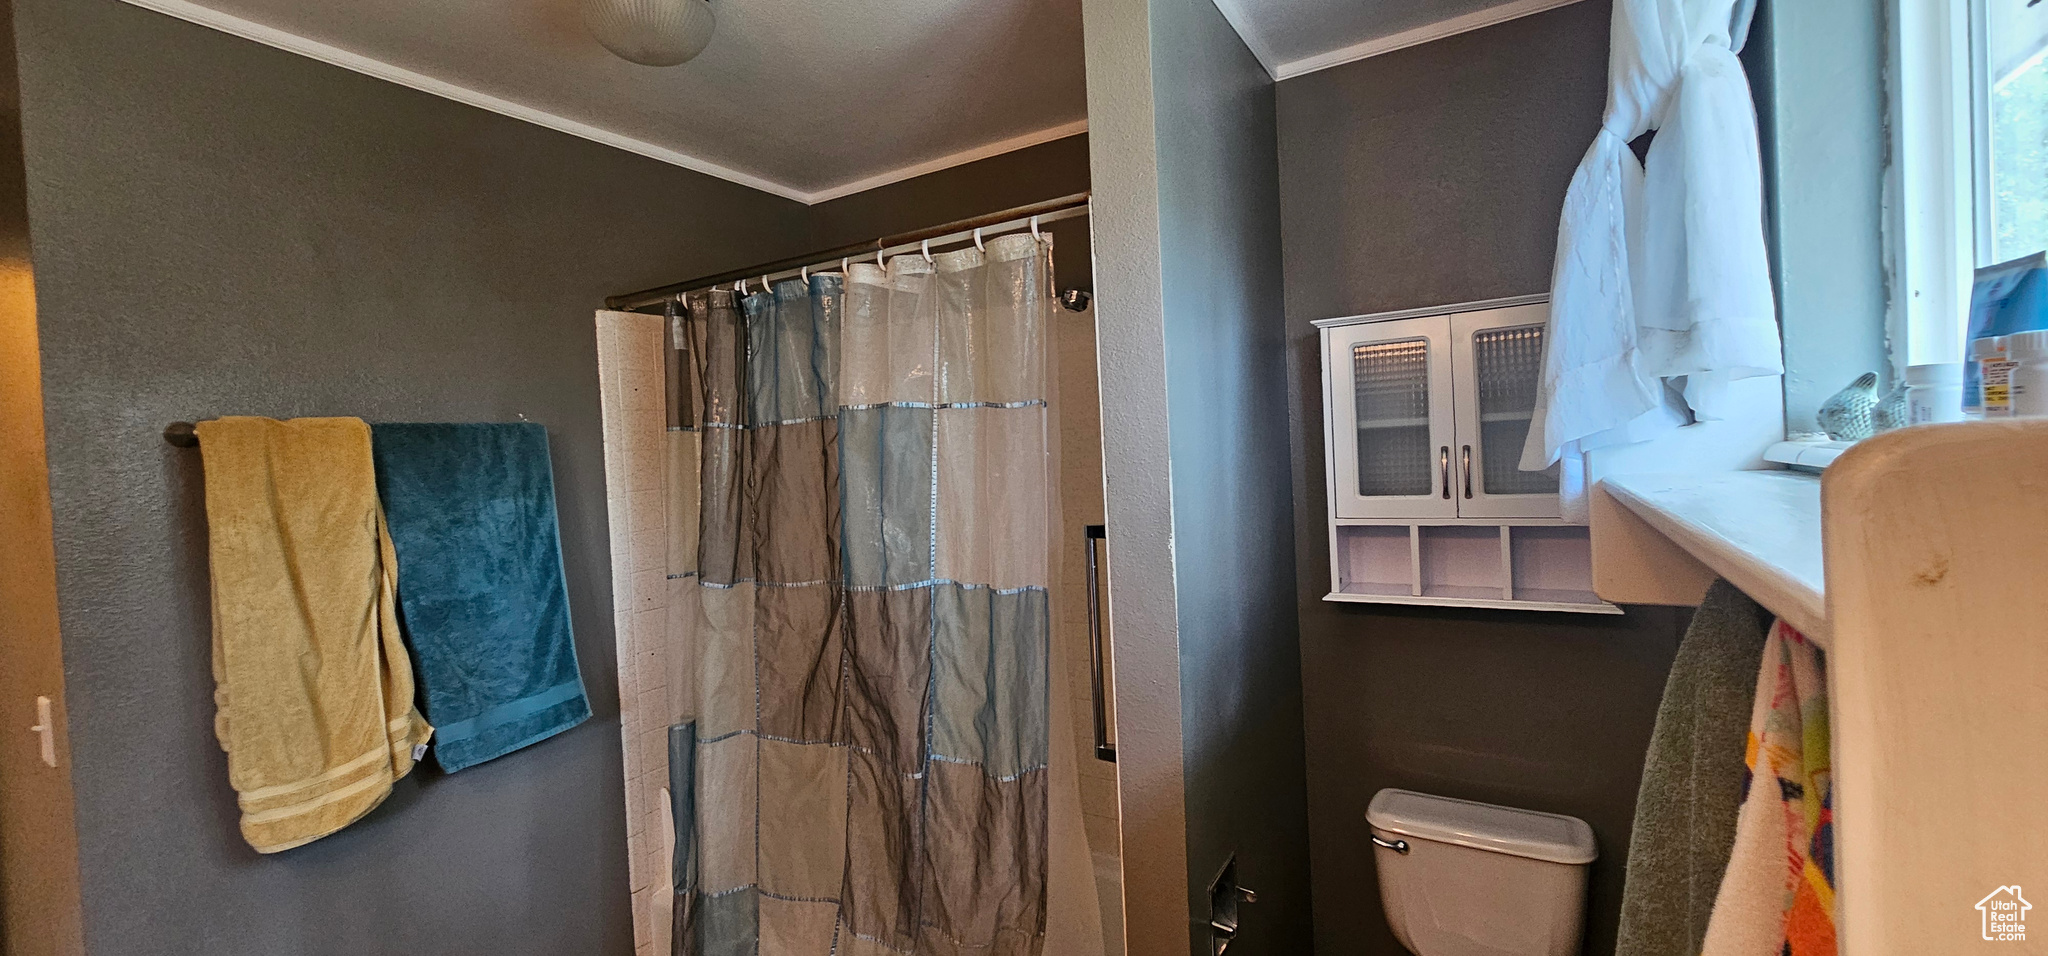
1391,419
1499,363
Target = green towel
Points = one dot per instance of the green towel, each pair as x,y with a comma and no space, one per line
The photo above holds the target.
1692,779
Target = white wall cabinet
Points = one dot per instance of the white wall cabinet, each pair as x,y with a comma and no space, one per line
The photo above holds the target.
1429,415
1425,413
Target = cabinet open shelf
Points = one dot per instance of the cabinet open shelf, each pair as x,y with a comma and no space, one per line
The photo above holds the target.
1523,566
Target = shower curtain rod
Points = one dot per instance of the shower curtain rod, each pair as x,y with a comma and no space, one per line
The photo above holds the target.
1051,211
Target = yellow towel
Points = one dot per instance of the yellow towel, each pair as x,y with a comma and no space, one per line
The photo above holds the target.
313,690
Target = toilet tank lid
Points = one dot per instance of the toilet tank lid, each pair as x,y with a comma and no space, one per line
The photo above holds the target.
1482,826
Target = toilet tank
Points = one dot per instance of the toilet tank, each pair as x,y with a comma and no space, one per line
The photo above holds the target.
1480,880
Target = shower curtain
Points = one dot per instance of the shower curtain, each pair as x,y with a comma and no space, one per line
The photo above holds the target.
848,749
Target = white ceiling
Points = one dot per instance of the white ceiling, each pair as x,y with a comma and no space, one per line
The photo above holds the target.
805,99
809,100
1292,37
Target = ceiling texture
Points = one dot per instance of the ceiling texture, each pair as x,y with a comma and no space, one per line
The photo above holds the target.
1292,37
811,100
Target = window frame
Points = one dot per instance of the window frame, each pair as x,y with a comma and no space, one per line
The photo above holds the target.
1934,181
1980,94
1938,180
1978,14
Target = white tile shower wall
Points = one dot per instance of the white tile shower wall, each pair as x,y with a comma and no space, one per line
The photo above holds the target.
1079,419
636,463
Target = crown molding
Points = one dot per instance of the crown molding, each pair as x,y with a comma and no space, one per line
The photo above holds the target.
961,158
368,66
1416,37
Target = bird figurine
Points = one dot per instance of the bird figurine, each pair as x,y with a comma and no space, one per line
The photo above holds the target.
1847,414
1891,410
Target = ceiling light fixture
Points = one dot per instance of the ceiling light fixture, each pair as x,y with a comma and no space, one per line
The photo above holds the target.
650,32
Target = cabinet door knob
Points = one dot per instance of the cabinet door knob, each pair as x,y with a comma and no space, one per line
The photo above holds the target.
1444,468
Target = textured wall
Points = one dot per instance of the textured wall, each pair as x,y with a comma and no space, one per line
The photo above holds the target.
1193,369
38,842
1130,350
1047,171
224,228
1430,176
1824,165
1226,383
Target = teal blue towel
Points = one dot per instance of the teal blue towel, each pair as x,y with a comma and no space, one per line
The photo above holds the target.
481,595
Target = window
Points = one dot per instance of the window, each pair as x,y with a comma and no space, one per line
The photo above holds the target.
1969,170
2009,73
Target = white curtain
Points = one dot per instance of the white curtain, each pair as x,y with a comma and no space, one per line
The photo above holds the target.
1661,271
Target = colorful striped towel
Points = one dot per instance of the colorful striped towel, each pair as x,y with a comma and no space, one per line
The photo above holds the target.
1778,896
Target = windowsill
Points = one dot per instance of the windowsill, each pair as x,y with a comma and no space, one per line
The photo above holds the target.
1760,530
1806,455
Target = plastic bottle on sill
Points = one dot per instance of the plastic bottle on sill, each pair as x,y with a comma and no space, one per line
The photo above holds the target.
1934,393
2027,353
1994,396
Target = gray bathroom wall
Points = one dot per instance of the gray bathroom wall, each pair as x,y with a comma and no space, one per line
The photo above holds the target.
223,228
1818,69
1123,163
1428,176
1194,382
1226,382
1038,173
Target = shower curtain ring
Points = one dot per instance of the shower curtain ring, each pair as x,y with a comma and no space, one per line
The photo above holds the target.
978,247
764,283
927,250
1034,227
843,262
804,273
878,259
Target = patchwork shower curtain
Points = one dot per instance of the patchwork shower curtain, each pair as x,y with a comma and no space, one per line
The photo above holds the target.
835,645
